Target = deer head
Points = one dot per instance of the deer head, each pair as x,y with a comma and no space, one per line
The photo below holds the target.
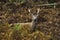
34,16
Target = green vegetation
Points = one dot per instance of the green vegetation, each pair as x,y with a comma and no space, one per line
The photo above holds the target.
17,27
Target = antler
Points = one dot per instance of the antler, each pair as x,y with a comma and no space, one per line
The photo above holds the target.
29,10
38,10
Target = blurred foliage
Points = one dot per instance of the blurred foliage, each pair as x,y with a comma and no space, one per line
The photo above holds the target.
17,27
32,1
24,34
46,30
18,1
52,1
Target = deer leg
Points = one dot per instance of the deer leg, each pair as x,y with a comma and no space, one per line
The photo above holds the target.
33,29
